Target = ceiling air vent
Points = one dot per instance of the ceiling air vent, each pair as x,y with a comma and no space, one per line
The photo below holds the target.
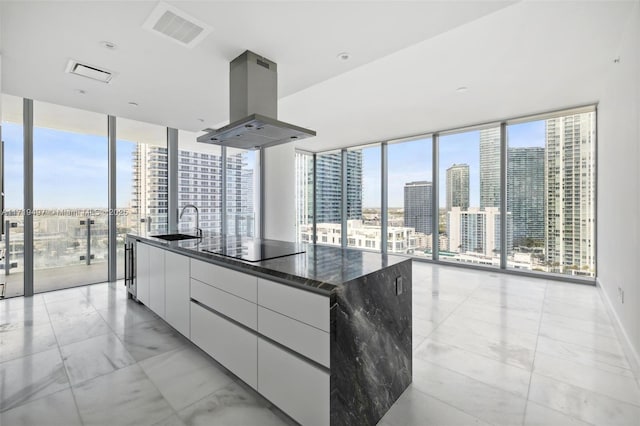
176,25
89,71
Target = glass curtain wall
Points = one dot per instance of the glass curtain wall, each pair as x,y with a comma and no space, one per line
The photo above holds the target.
70,191
304,197
410,215
470,197
200,184
551,194
12,244
364,197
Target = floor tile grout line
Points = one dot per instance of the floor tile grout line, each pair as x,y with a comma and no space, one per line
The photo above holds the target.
64,365
535,351
450,313
492,386
568,358
588,390
452,406
587,347
561,412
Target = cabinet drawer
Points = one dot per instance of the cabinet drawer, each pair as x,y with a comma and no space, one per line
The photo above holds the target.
298,388
227,304
310,308
229,344
242,285
300,337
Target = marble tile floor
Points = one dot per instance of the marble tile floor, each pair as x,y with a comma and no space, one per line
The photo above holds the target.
489,349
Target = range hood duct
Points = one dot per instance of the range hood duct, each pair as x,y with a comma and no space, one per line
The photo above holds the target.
253,105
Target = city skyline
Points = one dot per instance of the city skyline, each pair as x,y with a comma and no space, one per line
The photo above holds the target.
408,161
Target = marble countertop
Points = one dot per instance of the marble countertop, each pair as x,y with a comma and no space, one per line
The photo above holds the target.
321,269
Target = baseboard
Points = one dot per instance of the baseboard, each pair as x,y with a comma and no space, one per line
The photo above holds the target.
632,354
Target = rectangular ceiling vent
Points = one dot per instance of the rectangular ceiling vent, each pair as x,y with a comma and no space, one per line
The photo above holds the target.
89,71
176,25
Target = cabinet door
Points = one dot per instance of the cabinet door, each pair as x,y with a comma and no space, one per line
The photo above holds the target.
229,344
297,387
156,281
142,273
176,280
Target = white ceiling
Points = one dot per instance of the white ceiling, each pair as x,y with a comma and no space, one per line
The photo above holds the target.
407,60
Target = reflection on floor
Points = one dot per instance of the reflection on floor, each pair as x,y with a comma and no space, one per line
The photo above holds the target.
50,279
488,349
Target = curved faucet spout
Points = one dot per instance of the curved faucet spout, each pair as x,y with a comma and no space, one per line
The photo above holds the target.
198,230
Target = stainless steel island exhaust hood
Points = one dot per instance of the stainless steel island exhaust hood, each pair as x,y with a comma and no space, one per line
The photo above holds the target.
253,105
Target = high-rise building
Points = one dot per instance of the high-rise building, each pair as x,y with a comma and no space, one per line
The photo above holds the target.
458,186
150,187
490,167
199,183
476,231
418,209
525,194
329,186
570,186
304,196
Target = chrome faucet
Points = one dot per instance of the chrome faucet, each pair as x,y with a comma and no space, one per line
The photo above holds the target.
198,230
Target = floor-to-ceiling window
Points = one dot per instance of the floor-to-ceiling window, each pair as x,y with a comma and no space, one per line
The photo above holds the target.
329,198
144,159
364,197
470,196
304,197
70,217
551,194
241,195
12,244
200,184
410,200
542,180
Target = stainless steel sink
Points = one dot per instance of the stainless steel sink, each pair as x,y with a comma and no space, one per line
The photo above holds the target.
175,237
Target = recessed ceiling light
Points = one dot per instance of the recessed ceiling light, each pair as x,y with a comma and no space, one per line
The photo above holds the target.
108,45
462,89
135,104
344,56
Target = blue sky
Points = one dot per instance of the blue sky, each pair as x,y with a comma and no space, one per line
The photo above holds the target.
412,161
70,169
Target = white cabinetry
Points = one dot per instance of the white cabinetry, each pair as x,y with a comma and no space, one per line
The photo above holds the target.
231,345
297,387
142,272
162,284
177,294
156,281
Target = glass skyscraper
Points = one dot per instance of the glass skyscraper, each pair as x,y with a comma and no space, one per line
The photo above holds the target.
525,195
458,186
418,209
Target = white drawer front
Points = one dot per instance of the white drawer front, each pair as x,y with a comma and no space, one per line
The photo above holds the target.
299,337
242,285
229,344
310,308
298,388
227,304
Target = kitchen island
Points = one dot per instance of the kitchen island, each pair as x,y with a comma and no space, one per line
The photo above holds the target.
324,334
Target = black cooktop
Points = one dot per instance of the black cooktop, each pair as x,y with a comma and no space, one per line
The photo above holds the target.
251,249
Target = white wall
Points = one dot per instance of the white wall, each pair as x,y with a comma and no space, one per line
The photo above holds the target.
618,257
280,203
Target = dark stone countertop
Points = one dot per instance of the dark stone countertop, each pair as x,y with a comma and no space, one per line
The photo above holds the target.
321,269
